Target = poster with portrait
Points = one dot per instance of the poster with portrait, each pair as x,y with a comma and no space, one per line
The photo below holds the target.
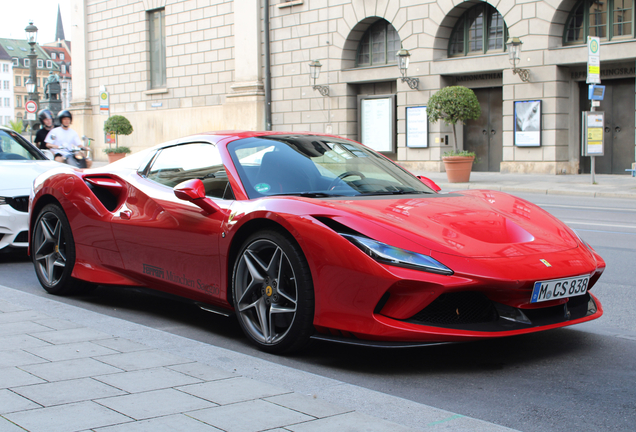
527,123
416,127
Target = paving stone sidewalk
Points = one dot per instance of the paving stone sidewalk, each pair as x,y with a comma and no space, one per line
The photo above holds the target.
607,186
64,369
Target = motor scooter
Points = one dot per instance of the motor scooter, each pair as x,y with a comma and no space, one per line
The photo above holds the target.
78,155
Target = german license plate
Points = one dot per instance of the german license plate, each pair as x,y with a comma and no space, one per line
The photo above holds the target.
559,288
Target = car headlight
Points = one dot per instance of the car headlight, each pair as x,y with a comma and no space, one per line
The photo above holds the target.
2,200
392,255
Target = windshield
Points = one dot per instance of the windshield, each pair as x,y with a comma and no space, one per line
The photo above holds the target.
13,147
317,166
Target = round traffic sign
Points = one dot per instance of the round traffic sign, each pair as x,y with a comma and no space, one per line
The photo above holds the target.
31,106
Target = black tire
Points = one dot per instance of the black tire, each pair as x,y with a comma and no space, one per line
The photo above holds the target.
273,292
53,253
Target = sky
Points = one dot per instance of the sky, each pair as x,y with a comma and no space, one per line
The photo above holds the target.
17,13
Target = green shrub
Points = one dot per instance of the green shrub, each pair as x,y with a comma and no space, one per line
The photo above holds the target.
451,105
121,149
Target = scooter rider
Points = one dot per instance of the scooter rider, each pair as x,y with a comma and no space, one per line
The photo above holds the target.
63,139
46,120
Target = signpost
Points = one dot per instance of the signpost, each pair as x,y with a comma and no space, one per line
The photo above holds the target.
592,134
593,60
104,102
31,108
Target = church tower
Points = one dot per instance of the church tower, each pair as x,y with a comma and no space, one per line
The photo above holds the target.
59,29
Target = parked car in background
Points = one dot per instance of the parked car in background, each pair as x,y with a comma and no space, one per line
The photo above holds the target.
305,236
20,163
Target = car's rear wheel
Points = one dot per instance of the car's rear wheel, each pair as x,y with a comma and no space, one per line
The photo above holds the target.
273,292
54,252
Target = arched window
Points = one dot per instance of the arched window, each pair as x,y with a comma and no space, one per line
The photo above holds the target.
378,45
479,30
607,19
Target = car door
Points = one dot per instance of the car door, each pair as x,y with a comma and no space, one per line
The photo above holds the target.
170,243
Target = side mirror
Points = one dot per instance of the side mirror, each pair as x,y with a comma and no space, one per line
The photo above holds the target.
430,183
194,192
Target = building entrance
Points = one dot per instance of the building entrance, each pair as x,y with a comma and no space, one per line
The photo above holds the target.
484,135
618,106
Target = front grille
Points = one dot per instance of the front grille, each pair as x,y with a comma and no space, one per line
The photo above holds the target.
457,308
23,237
20,203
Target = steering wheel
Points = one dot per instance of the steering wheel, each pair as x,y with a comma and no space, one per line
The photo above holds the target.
344,175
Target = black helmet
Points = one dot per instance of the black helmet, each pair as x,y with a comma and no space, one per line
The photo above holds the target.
45,114
65,113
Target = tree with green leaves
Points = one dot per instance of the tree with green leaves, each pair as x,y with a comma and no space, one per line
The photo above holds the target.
117,125
452,105
16,125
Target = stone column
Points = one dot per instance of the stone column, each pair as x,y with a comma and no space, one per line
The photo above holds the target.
80,104
248,88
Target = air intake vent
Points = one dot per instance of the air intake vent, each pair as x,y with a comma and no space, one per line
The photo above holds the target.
457,308
23,237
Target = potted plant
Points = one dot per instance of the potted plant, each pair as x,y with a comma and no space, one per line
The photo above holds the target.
117,125
452,105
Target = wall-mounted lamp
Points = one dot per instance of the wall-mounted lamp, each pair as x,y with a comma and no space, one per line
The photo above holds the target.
403,63
314,71
514,48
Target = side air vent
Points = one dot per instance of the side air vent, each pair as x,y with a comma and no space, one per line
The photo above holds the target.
336,226
106,189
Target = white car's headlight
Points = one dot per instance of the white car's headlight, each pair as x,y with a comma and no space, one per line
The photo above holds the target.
392,255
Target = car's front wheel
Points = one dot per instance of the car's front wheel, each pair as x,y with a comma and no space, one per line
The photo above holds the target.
53,252
273,292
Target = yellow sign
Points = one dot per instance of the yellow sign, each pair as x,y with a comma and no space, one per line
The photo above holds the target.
594,134
595,69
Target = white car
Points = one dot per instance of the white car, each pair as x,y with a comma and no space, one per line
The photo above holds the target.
20,163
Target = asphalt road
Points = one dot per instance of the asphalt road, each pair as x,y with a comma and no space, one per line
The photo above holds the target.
580,378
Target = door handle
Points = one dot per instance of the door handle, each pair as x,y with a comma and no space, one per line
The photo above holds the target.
492,132
607,130
125,214
617,129
485,132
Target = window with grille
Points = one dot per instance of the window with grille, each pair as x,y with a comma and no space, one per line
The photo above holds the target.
379,45
479,30
156,21
611,19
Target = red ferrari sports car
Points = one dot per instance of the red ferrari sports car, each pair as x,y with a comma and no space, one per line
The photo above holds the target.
311,236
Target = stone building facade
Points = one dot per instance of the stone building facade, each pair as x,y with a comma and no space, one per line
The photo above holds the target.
18,50
176,67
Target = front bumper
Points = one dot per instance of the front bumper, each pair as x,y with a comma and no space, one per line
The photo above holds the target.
14,227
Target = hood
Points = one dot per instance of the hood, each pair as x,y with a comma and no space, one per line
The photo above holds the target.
476,224
16,177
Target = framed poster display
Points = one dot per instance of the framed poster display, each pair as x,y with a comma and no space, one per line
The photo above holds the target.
527,126
417,127
376,122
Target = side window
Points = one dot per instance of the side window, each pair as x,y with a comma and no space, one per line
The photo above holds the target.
184,162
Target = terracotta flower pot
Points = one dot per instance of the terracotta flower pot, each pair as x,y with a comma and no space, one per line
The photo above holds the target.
112,157
458,168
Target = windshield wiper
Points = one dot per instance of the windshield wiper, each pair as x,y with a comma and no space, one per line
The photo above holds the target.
307,194
397,192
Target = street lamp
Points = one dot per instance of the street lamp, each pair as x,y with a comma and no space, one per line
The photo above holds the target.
514,50
403,63
65,91
314,71
31,84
